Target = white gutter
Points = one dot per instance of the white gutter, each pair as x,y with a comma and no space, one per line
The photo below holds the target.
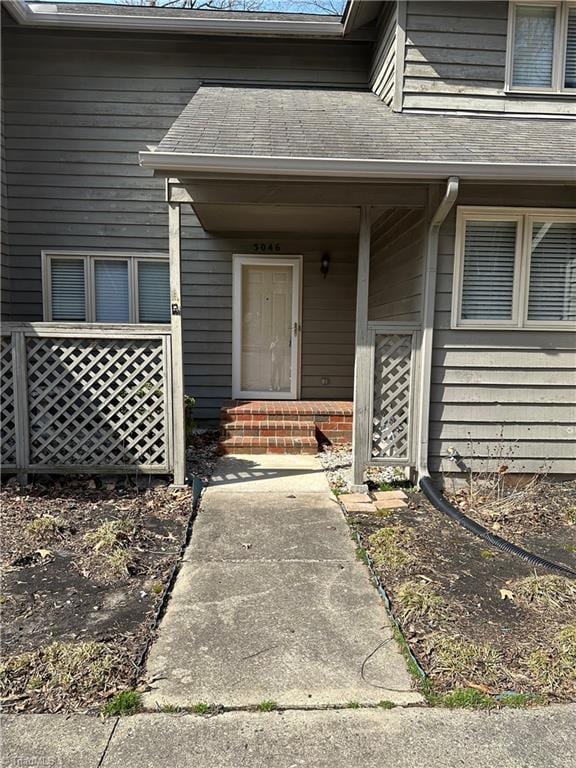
429,293
186,163
46,16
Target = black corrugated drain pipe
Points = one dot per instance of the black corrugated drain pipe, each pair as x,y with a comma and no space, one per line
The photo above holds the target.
442,504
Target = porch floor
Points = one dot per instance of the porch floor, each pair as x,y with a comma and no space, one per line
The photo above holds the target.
284,426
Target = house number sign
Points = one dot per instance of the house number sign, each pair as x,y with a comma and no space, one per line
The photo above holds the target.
266,247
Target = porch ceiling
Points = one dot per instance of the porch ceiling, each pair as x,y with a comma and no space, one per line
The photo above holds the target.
286,218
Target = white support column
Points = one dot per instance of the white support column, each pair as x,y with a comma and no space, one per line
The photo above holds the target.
179,430
362,363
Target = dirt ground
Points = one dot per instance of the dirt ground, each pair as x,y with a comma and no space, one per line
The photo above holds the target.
475,617
85,564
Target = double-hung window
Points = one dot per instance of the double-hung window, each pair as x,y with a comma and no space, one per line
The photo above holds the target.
515,268
542,47
106,287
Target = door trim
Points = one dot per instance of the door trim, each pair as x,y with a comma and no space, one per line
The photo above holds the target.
238,261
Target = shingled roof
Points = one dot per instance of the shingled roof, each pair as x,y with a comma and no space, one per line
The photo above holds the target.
350,126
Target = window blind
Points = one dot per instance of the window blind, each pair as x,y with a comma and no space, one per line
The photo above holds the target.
533,54
68,289
552,291
153,292
111,291
488,274
570,71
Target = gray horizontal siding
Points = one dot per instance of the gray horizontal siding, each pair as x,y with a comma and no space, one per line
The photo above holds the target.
501,397
396,266
455,59
79,107
383,69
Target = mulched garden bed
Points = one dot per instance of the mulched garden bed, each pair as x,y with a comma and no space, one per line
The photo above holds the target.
85,565
485,626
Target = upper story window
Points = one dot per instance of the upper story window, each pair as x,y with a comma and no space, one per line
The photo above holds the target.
542,47
515,268
106,287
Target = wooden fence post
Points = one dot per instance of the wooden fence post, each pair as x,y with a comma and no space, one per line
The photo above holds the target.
179,428
21,421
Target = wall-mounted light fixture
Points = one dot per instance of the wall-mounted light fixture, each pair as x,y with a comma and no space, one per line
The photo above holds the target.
325,264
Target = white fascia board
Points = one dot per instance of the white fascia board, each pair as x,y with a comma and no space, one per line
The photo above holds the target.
143,22
178,162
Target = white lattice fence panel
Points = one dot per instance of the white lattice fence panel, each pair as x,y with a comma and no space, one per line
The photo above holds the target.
97,402
392,397
7,415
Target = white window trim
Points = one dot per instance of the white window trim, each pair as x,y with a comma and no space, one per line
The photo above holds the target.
559,55
89,257
525,217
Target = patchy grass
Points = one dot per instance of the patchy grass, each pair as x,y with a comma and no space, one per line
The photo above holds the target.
417,598
266,706
124,703
170,709
519,700
464,661
390,547
385,704
465,698
352,705
554,668
201,708
549,591
59,670
110,535
45,528
119,561
487,554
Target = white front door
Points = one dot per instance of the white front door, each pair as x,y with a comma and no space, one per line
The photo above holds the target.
266,328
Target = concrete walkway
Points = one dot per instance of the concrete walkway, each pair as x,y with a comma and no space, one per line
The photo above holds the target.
271,603
371,738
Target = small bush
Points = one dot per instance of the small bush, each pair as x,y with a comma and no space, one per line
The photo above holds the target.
125,703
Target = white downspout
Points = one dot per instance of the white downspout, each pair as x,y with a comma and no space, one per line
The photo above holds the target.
431,268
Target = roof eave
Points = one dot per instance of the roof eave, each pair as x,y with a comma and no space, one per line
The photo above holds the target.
23,14
178,163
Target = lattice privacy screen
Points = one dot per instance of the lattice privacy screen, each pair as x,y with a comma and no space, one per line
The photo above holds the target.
7,416
392,397
96,403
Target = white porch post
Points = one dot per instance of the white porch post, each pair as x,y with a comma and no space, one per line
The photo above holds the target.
362,363
178,431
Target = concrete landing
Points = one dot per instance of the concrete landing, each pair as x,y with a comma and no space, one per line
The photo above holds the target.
271,603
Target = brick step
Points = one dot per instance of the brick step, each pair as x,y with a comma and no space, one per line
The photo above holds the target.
269,428
281,445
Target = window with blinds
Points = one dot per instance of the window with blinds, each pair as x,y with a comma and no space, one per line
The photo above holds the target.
68,289
153,292
570,65
95,288
515,268
542,42
112,297
488,276
552,287
533,59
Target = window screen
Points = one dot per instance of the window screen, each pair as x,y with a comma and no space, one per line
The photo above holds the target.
488,275
570,70
153,292
68,289
533,54
111,291
552,292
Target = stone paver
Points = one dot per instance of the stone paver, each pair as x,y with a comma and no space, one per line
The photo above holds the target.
271,602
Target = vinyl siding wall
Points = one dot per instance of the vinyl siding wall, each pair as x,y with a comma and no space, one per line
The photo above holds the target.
455,59
383,69
396,264
79,107
501,397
